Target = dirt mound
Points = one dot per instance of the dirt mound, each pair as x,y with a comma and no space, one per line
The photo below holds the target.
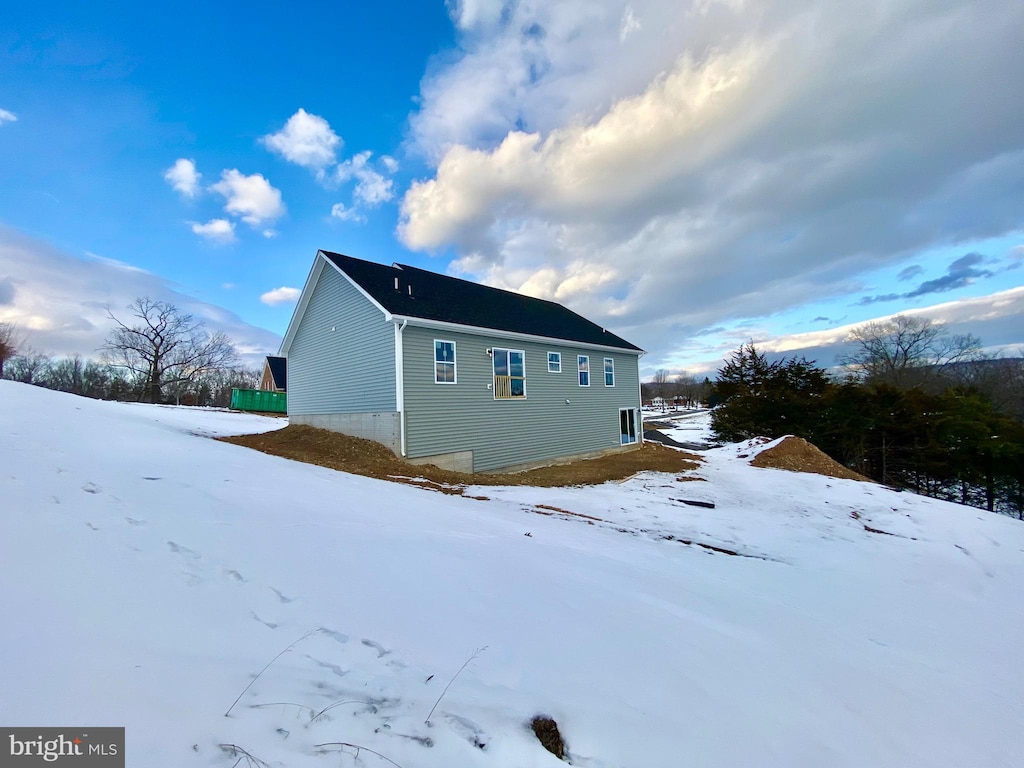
365,457
797,455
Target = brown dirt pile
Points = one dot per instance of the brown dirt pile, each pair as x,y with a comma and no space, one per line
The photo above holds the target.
797,455
365,457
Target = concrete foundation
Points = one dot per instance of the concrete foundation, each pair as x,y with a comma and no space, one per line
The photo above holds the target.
457,461
526,466
382,427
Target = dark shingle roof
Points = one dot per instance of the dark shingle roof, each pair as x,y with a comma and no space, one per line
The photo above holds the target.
451,300
278,371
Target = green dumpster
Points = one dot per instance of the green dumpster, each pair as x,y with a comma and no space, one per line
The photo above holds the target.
259,400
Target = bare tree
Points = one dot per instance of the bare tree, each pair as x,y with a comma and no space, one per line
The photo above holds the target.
906,351
27,368
692,389
65,375
165,348
10,342
660,382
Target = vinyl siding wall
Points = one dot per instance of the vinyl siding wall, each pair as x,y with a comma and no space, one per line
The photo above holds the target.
342,359
442,418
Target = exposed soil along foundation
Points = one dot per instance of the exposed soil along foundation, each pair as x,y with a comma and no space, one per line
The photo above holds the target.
365,457
797,455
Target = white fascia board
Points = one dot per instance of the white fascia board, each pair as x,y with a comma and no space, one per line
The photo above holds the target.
300,308
494,332
357,286
307,290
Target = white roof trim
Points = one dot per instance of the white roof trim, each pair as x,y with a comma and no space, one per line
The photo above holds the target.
314,277
300,308
494,332
357,286
307,291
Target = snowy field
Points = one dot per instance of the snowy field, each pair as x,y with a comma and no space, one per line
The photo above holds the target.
150,573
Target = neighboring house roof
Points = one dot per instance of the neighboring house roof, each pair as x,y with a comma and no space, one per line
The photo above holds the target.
279,371
430,296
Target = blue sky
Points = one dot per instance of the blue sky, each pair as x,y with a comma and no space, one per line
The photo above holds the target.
689,174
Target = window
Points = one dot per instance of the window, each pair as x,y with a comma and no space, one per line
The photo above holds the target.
444,362
509,374
583,366
627,425
554,362
609,372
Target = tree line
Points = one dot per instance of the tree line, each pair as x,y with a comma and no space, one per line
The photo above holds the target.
681,389
158,355
914,407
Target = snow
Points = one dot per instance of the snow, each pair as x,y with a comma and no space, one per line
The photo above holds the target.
151,573
687,426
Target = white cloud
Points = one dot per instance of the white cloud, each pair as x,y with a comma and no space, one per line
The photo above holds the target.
339,211
390,164
635,146
629,24
731,161
282,295
61,300
7,117
470,14
250,197
184,177
995,318
372,188
215,230
305,140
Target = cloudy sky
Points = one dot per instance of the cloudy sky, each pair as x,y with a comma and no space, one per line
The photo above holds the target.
689,173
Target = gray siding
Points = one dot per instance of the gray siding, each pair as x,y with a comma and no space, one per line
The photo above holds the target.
442,418
342,359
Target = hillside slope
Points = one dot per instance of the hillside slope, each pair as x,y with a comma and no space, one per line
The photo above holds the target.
151,572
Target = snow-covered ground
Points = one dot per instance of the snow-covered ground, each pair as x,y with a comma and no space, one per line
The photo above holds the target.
687,426
150,574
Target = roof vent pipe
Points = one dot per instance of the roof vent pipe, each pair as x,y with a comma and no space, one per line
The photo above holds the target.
410,290
396,282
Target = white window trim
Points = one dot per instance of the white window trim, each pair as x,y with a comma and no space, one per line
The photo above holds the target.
494,388
559,362
579,369
604,371
455,359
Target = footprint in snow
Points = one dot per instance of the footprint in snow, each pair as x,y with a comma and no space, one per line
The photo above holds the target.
133,521
381,651
282,597
91,488
468,730
185,551
234,576
93,527
270,624
338,637
327,665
